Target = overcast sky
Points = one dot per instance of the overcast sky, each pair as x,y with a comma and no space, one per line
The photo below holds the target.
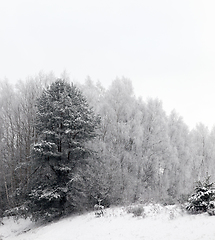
166,47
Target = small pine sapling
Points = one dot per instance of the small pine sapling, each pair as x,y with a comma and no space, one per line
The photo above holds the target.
200,200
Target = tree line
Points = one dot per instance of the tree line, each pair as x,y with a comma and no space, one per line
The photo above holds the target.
63,145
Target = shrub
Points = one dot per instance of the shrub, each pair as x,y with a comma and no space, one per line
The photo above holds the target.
137,211
18,212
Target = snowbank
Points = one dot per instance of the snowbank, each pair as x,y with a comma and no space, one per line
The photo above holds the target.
157,222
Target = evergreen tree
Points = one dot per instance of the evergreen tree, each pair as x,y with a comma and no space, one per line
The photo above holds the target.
64,123
200,200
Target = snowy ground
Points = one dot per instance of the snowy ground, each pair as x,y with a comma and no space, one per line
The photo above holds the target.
163,223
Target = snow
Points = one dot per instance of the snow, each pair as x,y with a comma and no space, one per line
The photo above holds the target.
169,223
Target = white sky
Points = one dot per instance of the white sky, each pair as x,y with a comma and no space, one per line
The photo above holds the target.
166,47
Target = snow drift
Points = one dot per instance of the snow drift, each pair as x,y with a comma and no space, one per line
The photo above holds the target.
155,222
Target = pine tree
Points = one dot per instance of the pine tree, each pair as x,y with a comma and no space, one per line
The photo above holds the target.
200,200
64,123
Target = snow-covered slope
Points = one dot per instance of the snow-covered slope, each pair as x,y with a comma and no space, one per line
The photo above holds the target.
163,223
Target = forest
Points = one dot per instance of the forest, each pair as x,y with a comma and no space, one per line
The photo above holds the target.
106,143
